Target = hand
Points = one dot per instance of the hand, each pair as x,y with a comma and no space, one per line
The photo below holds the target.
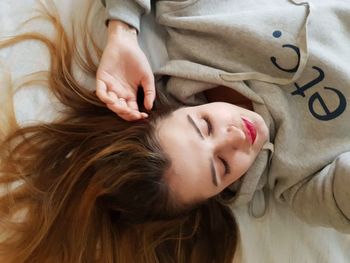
123,68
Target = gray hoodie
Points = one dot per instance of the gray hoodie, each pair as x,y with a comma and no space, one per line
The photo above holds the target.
292,61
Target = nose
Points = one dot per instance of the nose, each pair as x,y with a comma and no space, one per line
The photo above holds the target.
232,137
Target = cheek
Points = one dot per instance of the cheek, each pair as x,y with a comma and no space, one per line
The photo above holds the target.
240,165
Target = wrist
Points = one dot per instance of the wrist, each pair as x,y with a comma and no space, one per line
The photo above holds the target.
117,28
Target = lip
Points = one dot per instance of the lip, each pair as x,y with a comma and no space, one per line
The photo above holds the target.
250,130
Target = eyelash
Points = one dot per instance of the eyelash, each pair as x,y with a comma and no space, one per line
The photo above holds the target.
227,167
210,127
210,131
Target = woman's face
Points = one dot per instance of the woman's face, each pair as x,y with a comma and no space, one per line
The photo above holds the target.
210,147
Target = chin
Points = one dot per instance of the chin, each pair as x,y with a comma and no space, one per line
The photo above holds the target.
263,131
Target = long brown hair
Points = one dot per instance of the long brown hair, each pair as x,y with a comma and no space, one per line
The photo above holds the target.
89,186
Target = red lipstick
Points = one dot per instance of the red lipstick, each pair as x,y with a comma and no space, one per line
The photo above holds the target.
250,130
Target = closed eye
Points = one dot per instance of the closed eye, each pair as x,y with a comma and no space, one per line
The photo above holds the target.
226,166
209,132
209,125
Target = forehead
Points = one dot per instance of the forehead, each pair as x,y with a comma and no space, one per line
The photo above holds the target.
189,175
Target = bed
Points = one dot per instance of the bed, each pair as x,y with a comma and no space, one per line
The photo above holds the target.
277,237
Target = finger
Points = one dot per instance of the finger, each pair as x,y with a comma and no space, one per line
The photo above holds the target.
133,109
133,104
144,115
101,92
117,104
149,91
127,107
116,99
126,115
121,107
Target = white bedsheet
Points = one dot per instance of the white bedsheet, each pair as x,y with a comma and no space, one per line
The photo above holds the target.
278,237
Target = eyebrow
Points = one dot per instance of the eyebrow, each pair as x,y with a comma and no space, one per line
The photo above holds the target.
212,168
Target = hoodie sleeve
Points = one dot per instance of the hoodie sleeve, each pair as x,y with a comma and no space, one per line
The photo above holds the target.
128,11
324,198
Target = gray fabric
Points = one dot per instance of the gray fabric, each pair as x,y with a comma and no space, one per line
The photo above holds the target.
128,11
292,61
327,190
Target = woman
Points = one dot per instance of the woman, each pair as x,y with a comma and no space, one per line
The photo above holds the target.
91,187
111,211
268,57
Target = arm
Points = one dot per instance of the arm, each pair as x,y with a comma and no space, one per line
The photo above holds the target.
124,67
324,198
